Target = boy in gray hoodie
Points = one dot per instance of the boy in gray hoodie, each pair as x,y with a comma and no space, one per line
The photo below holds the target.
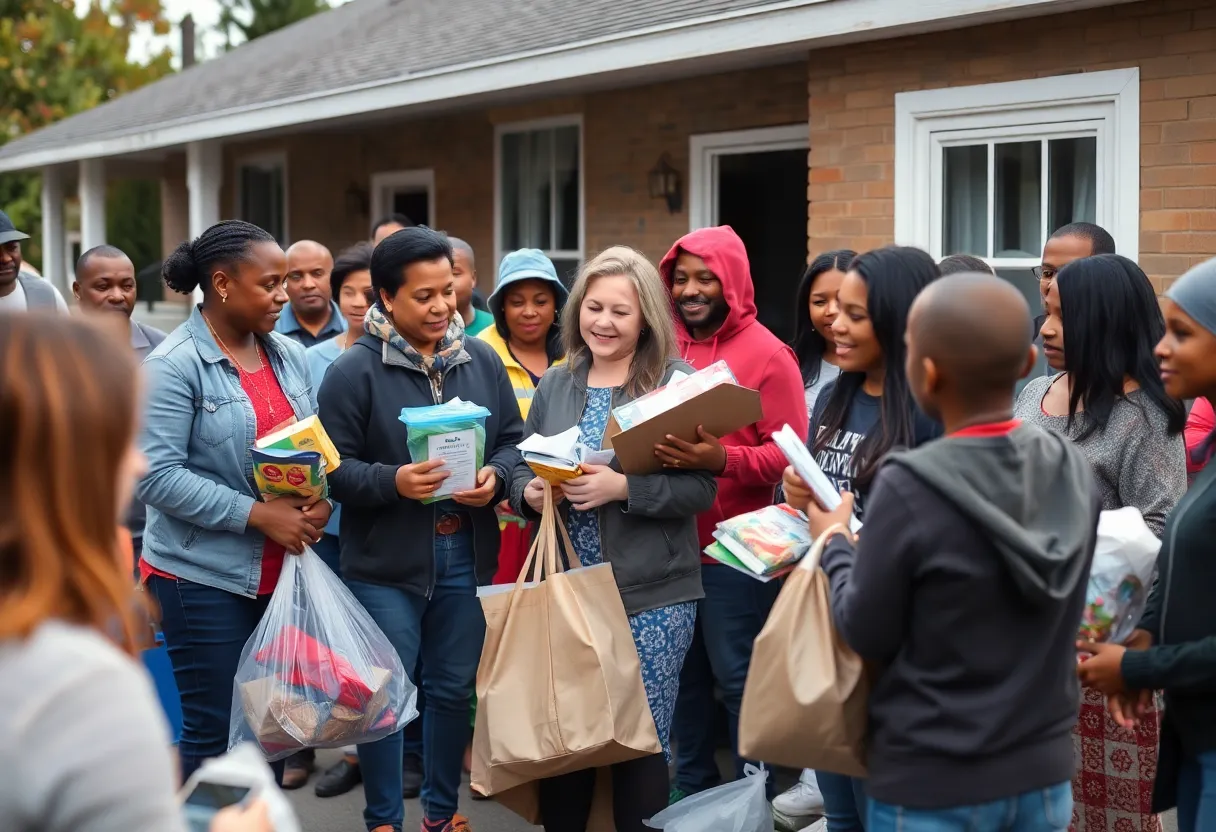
965,590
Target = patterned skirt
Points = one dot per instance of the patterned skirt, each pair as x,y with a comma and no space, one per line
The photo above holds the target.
1113,788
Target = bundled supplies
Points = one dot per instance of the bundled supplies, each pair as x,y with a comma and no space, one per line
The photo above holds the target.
1119,579
763,544
317,672
559,458
708,399
455,432
293,461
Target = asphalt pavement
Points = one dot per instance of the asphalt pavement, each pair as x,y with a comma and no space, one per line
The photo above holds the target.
345,813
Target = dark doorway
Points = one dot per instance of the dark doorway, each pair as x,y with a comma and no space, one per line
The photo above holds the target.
763,197
414,204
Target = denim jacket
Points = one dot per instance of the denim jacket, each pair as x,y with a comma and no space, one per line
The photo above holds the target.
198,429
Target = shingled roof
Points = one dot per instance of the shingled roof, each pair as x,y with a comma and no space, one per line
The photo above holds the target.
364,42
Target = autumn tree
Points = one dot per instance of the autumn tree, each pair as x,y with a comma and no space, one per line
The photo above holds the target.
55,63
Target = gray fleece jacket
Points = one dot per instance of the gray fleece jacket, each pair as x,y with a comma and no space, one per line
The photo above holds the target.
966,592
651,540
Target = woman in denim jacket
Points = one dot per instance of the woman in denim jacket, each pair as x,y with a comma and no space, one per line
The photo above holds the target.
212,550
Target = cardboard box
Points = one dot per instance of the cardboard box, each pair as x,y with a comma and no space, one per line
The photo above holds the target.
721,410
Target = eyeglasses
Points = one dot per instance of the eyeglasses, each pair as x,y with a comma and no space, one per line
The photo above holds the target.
1041,274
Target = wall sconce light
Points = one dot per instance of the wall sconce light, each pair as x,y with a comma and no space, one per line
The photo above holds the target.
665,184
356,200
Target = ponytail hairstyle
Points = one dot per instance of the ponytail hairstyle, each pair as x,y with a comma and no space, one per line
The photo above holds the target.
808,344
193,262
894,276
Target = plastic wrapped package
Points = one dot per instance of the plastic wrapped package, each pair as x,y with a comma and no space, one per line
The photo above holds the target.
767,541
678,390
1125,558
455,432
317,672
740,806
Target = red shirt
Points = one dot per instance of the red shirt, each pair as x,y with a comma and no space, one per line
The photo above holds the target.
989,429
272,409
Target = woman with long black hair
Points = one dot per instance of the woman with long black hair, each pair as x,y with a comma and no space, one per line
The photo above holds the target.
863,415
1103,322
814,345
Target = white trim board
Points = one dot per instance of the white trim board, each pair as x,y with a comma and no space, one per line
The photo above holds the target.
790,25
703,153
570,120
422,179
1111,98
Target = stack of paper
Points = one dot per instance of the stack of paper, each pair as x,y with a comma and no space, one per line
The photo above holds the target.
796,453
557,459
681,388
764,544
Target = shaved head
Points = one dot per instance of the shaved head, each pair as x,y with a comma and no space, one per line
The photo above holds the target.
307,248
461,246
976,330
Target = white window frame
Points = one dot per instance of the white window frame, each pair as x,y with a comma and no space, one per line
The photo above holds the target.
274,158
1105,104
500,130
705,150
422,179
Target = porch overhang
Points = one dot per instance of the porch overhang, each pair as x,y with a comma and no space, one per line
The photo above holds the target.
738,38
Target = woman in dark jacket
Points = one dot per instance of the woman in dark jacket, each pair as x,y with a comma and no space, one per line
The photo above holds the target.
619,342
416,566
1174,649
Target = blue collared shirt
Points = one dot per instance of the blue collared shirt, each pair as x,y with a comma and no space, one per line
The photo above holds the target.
290,325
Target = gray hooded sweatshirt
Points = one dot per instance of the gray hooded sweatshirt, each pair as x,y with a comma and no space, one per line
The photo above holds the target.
966,591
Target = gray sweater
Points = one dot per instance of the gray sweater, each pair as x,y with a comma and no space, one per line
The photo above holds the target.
83,744
1136,461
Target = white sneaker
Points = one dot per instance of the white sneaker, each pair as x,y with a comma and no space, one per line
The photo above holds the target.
797,808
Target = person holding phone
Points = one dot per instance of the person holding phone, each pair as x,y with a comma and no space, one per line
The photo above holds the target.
85,745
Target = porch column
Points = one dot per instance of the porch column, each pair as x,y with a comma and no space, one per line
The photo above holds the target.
204,175
54,245
92,191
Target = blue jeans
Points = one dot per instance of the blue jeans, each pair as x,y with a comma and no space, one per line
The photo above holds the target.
446,631
729,618
205,631
1042,810
844,801
1197,793
328,551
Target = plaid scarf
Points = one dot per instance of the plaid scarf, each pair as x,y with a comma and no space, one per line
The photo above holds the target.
449,351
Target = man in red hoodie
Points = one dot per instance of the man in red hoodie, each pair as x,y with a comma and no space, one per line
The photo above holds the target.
714,304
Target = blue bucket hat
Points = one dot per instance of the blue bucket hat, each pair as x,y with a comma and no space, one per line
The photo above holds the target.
527,264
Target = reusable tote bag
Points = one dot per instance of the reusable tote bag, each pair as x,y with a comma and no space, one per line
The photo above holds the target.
559,688
804,704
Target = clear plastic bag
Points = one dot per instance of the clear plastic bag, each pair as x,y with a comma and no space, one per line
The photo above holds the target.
741,806
317,672
1121,575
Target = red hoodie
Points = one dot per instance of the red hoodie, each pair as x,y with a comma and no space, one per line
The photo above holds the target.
758,359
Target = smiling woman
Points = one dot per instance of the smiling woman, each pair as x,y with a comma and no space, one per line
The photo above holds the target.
415,566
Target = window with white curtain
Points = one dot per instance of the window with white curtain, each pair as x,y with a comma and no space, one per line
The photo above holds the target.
540,200
992,170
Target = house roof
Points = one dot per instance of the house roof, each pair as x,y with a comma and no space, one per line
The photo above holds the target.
372,55
363,42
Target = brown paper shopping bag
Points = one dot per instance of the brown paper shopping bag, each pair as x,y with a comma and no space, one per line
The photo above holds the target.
559,687
804,704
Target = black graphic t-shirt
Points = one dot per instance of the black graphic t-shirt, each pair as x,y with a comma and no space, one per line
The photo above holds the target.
838,457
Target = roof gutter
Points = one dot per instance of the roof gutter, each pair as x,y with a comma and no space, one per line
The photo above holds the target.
784,24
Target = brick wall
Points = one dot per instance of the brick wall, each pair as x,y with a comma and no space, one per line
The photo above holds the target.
625,131
1173,42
